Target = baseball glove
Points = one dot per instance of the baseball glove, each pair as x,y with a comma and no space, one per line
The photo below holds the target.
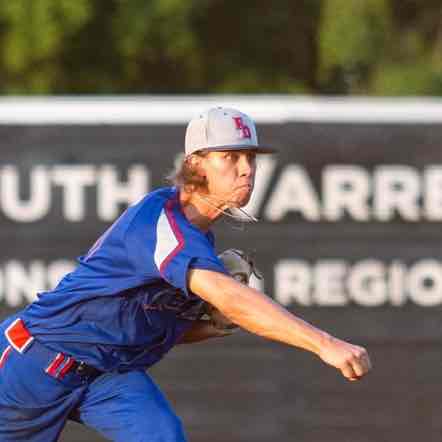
241,267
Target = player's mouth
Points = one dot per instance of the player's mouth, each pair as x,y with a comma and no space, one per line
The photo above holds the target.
248,185
243,193
244,189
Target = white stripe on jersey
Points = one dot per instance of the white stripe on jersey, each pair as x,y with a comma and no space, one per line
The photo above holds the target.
166,240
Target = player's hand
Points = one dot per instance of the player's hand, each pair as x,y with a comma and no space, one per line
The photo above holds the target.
352,360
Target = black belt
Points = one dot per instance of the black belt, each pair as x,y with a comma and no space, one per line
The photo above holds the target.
85,371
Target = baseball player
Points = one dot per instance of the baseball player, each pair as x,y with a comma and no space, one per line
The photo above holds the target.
81,350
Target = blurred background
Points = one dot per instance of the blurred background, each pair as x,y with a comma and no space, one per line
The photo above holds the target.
369,47
95,98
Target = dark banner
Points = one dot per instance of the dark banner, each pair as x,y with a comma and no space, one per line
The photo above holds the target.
348,238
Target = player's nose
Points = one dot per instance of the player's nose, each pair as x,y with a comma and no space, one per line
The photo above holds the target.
246,164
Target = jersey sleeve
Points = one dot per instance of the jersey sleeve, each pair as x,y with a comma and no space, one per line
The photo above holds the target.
180,247
163,244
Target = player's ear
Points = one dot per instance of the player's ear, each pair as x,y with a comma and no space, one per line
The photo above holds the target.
195,163
193,160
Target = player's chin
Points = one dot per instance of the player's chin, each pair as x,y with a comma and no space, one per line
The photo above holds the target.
241,203
243,196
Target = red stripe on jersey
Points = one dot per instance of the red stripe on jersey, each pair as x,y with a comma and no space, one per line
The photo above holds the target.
5,355
176,231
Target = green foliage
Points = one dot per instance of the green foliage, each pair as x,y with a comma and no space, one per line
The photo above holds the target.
248,82
352,36
32,36
156,34
352,32
372,47
414,78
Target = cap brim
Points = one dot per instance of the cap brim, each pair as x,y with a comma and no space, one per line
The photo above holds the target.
256,149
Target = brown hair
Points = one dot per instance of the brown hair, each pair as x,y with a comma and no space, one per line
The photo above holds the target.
186,174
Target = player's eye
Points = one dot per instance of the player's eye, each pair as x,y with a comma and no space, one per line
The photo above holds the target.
231,156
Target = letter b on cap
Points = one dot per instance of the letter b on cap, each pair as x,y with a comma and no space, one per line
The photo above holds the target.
245,130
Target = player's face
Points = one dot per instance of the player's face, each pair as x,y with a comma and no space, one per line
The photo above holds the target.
230,175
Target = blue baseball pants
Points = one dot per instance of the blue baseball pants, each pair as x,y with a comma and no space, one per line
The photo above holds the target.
35,405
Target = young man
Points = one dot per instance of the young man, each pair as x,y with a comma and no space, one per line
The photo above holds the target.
81,350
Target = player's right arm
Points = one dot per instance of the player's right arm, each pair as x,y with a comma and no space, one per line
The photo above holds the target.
257,313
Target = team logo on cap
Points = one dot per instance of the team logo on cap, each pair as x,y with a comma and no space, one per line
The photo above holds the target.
245,130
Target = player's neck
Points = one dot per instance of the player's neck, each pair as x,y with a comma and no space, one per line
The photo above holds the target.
199,211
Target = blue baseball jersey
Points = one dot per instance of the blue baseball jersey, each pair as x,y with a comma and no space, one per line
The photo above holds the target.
127,302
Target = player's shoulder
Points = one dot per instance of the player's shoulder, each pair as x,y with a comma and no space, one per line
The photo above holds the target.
157,198
148,209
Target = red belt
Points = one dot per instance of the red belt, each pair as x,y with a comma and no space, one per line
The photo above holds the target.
20,339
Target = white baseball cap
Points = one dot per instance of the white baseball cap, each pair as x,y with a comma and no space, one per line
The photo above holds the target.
222,128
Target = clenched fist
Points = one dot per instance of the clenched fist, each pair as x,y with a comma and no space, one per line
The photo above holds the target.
352,360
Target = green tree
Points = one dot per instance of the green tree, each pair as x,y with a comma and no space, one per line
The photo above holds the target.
370,47
353,35
32,38
380,47
413,63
